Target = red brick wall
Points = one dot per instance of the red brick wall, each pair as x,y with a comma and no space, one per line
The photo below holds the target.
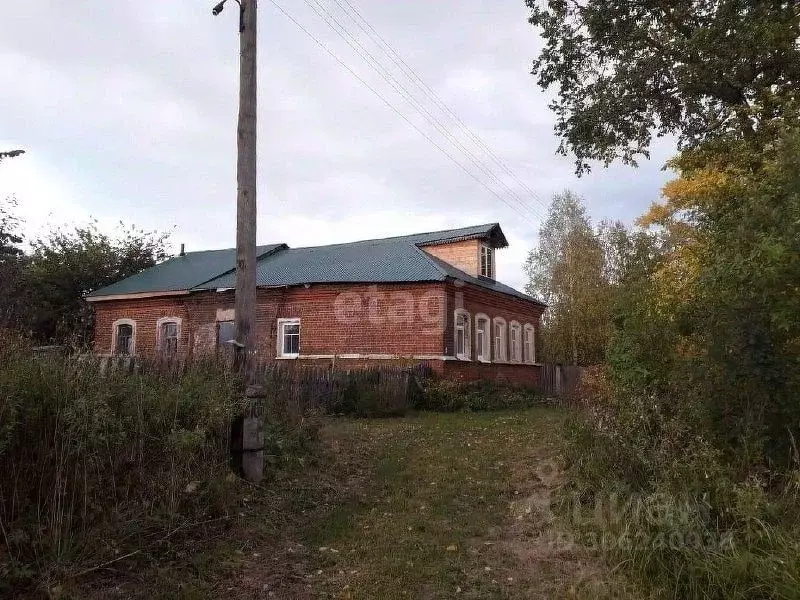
480,300
527,375
146,312
462,255
406,320
476,300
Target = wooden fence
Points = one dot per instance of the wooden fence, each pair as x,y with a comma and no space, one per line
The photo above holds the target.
294,386
298,386
384,391
560,381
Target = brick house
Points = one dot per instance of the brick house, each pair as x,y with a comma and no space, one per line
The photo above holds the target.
426,297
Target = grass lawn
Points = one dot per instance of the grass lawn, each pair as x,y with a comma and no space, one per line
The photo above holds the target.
456,508
428,506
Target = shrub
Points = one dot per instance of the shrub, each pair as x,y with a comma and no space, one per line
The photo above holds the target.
449,395
94,464
700,529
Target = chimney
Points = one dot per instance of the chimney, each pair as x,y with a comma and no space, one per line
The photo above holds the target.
183,250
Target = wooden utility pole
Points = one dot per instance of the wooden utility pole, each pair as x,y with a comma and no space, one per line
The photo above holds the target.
246,207
247,431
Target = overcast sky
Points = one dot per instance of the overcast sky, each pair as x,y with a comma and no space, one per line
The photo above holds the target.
128,110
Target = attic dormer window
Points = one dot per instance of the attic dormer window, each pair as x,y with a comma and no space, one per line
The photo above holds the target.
487,261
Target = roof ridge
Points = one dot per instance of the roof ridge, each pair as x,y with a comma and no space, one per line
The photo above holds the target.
383,239
270,250
399,237
196,252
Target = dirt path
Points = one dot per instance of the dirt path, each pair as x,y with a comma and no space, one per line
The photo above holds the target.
447,506
426,507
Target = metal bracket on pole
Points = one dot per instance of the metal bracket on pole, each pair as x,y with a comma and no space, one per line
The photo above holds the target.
218,9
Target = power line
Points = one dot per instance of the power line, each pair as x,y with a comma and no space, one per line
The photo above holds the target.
398,87
394,108
414,77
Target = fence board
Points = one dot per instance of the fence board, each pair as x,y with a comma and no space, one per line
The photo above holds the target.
560,380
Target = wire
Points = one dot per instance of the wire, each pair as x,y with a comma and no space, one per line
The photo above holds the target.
398,87
391,106
414,77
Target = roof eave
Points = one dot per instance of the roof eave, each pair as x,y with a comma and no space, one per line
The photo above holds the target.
518,295
137,295
494,234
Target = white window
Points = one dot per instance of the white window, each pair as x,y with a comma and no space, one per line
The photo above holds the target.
516,342
500,343
487,261
462,334
289,338
124,337
483,338
529,344
168,333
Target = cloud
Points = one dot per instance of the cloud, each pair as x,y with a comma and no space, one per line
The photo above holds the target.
128,112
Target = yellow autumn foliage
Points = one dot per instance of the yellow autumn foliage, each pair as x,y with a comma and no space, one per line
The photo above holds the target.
683,197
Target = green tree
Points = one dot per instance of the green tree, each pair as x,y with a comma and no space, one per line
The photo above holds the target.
627,252
10,239
744,316
13,264
65,266
10,154
13,302
566,270
702,69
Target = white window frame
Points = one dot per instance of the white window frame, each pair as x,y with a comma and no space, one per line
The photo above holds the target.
500,343
489,263
159,326
114,326
515,342
529,356
466,355
483,352
281,324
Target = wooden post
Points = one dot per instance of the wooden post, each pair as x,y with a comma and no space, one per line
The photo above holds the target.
246,207
247,431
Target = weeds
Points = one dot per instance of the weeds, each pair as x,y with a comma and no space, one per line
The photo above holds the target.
660,499
96,466
450,396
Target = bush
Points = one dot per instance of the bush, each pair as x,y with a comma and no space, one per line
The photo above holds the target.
95,464
449,395
692,526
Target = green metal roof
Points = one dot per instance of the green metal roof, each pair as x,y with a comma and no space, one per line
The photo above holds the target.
181,272
388,260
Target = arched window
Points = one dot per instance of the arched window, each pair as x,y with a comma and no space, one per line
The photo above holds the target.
529,344
500,343
462,334
123,337
483,338
515,332
169,332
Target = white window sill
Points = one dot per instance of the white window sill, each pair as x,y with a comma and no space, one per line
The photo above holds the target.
287,356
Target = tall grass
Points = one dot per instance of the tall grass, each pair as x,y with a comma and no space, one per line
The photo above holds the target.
94,465
657,497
